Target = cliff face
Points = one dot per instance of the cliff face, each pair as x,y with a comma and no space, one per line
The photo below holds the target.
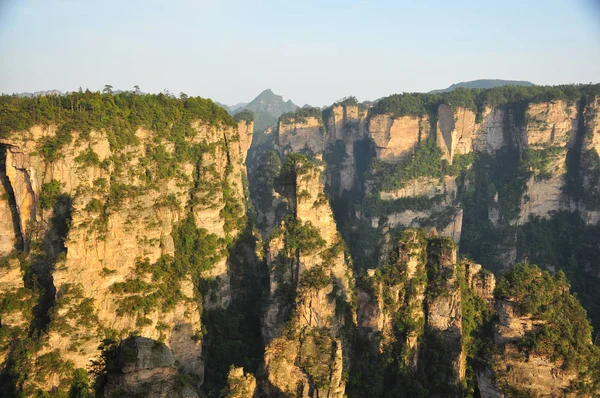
520,152
346,130
105,225
8,238
410,313
310,292
395,137
126,249
590,160
537,373
301,134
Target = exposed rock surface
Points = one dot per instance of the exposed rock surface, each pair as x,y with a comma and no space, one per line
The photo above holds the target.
444,214
148,369
240,385
305,355
535,374
394,138
117,219
301,134
412,305
347,125
8,238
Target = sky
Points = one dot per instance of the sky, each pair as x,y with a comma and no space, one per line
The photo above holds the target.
309,51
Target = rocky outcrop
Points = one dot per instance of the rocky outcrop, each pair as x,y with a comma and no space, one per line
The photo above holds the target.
240,385
8,237
125,204
412,306
480,280
16,305
444,309
445,213
346,128
590,161
301,134
306,351
246,132
383,301
536,374
456,131
147,369
394,138
551,129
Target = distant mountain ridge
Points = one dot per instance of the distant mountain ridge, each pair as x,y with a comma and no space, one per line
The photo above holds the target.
484,83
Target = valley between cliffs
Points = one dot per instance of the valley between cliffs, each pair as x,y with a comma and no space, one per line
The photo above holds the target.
361,250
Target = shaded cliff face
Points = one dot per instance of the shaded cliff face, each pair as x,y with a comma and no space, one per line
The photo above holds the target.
147,369
125,238
410,318
506,174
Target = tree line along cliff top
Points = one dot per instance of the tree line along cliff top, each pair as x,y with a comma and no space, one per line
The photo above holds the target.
127,111
120,115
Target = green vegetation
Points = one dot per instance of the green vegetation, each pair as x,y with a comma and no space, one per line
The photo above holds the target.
301,115
517,97
49,195
496,184
383,366
299,239
245,115
565,242
196,251
233,213
263,187
81,386
120,115
88,158
564,335
590,162
477,330
538,161
295,165
233,335
440,265
374,206
72,308
94,206
425,161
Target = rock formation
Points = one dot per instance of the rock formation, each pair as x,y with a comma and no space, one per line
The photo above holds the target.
105,221
132,263
310,291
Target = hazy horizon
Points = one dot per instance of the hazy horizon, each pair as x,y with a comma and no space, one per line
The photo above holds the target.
308,52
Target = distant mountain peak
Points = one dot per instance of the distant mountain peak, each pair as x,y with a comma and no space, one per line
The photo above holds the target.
267,107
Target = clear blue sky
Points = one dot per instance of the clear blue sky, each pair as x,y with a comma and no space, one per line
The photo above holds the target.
310,51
